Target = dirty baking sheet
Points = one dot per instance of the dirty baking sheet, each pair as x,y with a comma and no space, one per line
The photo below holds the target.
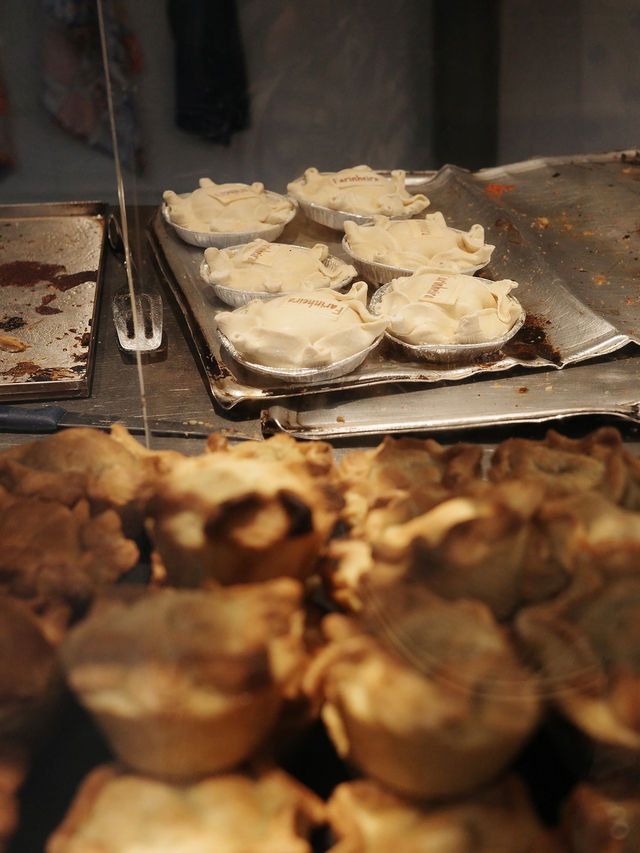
50,278
566,229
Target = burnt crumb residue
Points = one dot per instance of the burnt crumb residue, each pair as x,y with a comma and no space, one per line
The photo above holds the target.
31,372
513,235
46,307
12,323
531,342
633,159
51,374
85,339
30,273
22,368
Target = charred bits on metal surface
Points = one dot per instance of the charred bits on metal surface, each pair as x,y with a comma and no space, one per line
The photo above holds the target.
513,235
31,273
531,342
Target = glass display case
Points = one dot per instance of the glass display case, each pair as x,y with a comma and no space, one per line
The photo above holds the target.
347,295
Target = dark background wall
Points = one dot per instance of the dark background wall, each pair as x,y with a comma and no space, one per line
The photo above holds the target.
411,84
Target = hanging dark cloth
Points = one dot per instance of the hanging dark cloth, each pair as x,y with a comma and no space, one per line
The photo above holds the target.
73,76
211,93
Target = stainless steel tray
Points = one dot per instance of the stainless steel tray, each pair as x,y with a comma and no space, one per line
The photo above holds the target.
565,229
50,278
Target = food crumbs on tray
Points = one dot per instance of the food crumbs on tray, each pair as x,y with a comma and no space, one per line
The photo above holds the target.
523,390
548,388
340,419
9,343
497,189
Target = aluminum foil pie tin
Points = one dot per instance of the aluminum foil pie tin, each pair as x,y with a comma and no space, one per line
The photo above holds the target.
379,273
330,218
224,239
447,353
237,298
303,375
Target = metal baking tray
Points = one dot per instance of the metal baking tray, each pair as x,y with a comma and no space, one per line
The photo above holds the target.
51,258
565,229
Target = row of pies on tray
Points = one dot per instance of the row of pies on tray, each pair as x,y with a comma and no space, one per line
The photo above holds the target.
312,327
430,609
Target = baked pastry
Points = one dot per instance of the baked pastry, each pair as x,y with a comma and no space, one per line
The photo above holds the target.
31,682
56,557
481,543
228,207
411,244
186,683
82,463
400,478
359,190
434,309
366,818
600,820
303,331
598,461
244,513
13,770
261,267
119,812
431,701
587,529
585,644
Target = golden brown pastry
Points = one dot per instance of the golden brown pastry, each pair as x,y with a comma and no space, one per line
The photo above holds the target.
30,675
366,818
482,543
105,469
55,557
401,478
588,529
119,812
599,820
435,705
586,644
599,461
243,513
185,683
13,769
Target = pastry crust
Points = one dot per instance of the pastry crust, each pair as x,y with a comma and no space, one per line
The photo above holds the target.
564,466
56,557
435,705
185,683
244,513
596,820
30,675
366,818
585,644
120,812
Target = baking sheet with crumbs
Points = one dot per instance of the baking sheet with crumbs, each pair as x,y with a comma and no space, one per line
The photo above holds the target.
567,230
50,278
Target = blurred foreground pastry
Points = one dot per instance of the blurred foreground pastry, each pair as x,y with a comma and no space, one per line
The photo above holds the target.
244,513
118,812
366,818
586,644
185,683
435,705
598,819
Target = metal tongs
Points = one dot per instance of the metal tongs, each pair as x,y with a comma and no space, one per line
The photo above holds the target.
145,334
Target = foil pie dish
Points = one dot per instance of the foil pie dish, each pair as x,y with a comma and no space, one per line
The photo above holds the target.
225,239
380,273
237,298
331,218
447,353
302,375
